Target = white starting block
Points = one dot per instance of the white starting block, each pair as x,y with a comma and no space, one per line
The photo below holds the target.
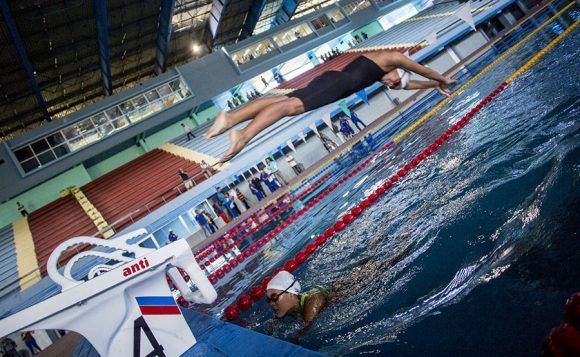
126,309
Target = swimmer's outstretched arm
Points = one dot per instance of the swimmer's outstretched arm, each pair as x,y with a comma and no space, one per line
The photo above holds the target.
399,60
416,84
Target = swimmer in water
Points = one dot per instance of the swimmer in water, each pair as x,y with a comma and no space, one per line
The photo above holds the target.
284,292
392,68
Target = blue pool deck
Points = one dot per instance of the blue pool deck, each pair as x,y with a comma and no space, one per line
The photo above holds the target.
219,338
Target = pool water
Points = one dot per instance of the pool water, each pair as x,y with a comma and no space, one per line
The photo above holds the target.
475,250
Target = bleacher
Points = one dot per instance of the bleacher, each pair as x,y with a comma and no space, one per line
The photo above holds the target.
55,223
8,267
138,183
415,29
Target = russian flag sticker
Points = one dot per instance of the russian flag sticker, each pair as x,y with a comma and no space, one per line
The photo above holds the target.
157,305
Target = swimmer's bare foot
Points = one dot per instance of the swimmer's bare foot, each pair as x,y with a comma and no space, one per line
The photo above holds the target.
237,143
220,124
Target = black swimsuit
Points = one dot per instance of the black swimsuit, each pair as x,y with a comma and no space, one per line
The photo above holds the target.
331,86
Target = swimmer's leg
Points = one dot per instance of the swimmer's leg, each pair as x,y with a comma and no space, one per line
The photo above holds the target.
266,117
225,120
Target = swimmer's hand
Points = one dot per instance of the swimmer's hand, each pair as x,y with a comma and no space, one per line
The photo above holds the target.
443,87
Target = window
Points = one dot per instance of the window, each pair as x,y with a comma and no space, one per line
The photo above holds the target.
152,95
335,15
356,6
320,22
292,35
40,145
24,153
250,53
98,126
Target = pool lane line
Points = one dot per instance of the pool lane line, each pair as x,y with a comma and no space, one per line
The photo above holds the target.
220,274
245,302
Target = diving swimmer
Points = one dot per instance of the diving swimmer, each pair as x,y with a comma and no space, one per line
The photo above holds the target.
392,68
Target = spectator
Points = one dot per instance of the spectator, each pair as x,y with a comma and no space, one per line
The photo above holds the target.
187,131
273,169
229,206
345,129
329,145
293,164
364,35
9,348
269,181
210,220
203,223
356,121
220,212
254,189
258,184
186,180
21,209
205,169
233,204
242,198
338,133
172,236
264,81
220,195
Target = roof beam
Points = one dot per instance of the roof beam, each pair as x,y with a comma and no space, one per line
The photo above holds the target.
17,40
252,18
164,35
102,22
286,11
218,9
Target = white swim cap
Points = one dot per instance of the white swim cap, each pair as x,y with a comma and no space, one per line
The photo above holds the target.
405,78
285,281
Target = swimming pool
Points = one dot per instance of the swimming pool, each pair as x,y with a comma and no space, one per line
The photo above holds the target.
484,232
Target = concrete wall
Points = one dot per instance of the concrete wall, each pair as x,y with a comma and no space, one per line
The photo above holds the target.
469,44
371,29
43,194
113,162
